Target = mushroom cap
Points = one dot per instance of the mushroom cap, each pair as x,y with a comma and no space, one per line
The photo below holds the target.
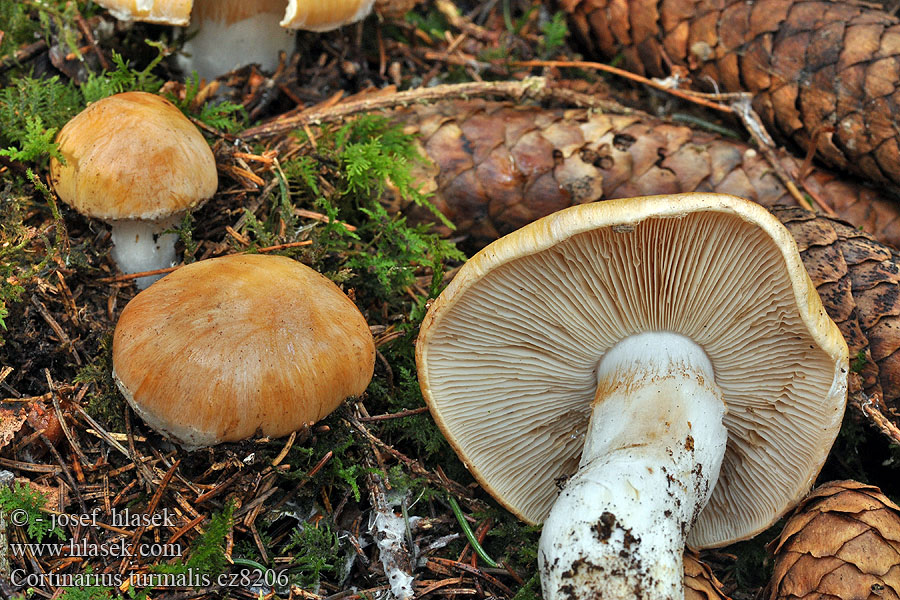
226,348
315,15
133,156
164,12
230,12
507,355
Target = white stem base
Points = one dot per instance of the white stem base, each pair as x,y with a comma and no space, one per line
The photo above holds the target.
652,455
140,246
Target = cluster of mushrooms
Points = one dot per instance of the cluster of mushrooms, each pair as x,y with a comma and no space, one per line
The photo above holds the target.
639,374
221,349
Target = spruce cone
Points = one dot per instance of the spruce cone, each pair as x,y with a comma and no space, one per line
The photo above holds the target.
699,581
843,542
499,166
828,66
496,167
858,280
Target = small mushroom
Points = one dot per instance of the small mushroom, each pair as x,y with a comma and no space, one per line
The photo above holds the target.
225,34
227,348
134,161
666,361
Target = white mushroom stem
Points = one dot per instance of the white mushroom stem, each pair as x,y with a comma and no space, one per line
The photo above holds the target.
226,34
140,246
651,457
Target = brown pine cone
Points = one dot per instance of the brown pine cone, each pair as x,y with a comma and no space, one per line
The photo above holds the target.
498,166
699,581
495,167
858,280
842,543
828,66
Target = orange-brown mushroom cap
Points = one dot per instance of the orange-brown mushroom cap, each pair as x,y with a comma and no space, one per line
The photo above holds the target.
314,15
133,156
165,12
228,348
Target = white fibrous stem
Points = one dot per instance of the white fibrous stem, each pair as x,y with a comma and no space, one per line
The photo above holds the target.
651,457
140,246
217,47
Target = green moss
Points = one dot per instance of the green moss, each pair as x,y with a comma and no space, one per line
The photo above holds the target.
316,551
32,111
859,362
24,250
26,21
554,34
22,497
754,565
104,403
222,115
207,553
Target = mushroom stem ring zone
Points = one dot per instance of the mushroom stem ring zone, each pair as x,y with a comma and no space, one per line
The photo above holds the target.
666,358
641,483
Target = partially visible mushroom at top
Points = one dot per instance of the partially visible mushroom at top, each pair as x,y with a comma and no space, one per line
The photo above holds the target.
665,360
225,34
135,161
227,348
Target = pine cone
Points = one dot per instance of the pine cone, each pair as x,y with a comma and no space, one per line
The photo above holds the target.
498,166
494,167
842,543
826,66
699,581
858,280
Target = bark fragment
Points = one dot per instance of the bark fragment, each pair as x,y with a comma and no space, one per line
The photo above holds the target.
814,66
494,167
842,542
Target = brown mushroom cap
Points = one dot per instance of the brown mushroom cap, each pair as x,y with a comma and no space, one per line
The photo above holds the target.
223,349
314,15
133,156
165,12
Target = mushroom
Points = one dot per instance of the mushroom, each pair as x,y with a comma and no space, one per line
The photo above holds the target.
227,348
134,161
229,33
665,360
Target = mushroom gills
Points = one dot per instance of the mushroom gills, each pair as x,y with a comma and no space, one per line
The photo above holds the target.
652,454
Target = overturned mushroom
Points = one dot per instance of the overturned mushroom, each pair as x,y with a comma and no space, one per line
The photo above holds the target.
226,348
667,357
134,161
